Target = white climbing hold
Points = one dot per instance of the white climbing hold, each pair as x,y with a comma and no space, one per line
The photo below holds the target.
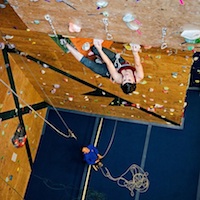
128,18
86,46
74,28
101,4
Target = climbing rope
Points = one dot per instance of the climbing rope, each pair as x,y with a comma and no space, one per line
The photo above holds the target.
71,134
111,140
139,181
50,102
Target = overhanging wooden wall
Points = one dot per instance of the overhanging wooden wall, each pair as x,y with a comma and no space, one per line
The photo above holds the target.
158,65
14,174
152,16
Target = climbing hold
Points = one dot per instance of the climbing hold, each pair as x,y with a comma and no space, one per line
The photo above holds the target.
86,46
147,47
143,82
74,28
174,74
151,109
56,86
65,79
36,21
128,18
86,98
42,71
158,56
127,47
53,91
14,157
2,5
151,89
136,92
10,177
105,14
45,65
70,98
190,48
158,105
133,26
137,105
144,96
101,4
166,88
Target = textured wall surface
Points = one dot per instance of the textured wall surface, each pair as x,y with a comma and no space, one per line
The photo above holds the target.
150,16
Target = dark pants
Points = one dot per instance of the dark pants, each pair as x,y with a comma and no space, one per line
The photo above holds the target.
100,69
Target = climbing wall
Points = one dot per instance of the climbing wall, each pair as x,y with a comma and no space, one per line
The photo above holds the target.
14,162
43,71
143,24
159,97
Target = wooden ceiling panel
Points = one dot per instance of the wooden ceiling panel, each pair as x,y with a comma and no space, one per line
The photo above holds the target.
151,16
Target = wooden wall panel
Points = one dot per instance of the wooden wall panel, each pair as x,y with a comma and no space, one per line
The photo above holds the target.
14,175
152,16
18,169
9,19
159,67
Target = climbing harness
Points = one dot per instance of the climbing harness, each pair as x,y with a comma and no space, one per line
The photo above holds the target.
108,35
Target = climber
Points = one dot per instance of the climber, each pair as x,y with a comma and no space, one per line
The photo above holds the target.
112,65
